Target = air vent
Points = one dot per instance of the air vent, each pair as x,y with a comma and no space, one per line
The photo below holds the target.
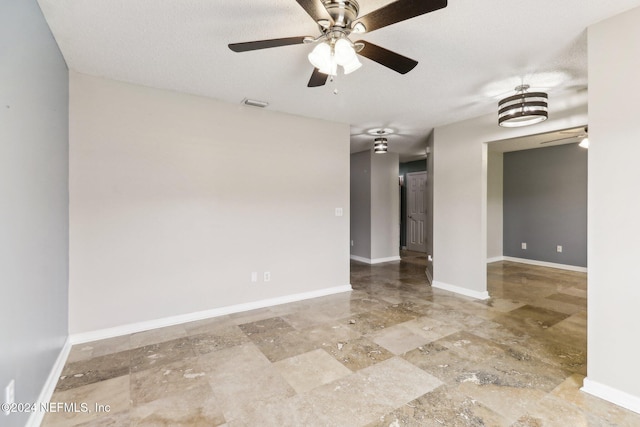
254,103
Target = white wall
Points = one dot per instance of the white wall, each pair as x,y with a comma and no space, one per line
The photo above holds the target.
429,196
460,193
385,206
614,210
375,207
494,205
34,215
176,199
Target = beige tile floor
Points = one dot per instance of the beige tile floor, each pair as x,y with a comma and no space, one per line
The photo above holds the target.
394,352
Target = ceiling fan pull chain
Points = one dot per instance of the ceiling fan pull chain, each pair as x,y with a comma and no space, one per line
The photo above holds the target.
332,79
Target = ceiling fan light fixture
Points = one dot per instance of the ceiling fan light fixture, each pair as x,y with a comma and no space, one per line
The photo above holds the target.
380,145
330,54
523,109
352,65
344,51
320,56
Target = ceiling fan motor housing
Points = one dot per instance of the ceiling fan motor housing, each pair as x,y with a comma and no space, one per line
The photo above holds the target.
342,12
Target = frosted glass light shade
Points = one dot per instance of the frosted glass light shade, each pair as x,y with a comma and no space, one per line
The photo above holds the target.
344,52
320,56
352,65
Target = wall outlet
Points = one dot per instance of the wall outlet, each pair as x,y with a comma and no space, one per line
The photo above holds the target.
559,248
10,395
267,276
254,276
352,243
524,245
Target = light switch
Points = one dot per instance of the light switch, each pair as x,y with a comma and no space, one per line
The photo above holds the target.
338,211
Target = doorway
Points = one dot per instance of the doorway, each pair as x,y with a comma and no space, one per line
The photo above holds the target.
416,215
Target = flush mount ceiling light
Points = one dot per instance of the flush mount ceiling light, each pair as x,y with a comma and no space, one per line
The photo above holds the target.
523,109
380,131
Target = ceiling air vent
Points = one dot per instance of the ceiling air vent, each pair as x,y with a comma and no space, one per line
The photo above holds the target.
254,103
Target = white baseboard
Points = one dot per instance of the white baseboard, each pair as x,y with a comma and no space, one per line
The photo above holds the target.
462,291
546,264
375,260
35,419
612,395
131,328
495,259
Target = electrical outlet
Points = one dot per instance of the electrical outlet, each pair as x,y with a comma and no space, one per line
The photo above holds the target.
352,243
559,248
524,245
254,276
267,276
9,395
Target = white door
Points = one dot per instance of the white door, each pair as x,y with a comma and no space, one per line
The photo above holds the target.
416,211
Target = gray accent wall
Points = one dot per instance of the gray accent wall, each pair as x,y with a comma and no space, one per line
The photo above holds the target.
545,204
34,232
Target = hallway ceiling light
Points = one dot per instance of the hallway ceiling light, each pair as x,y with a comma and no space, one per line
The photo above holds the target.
380,131
523,109
380,145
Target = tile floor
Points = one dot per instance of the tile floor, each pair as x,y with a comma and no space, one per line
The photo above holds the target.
394,352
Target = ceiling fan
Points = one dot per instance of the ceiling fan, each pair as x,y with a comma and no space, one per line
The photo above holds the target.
337,20
582,134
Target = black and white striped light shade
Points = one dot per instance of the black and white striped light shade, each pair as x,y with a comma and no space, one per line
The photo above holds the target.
523,109
380,145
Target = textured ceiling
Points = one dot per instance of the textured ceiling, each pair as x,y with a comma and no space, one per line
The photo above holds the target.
470,54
